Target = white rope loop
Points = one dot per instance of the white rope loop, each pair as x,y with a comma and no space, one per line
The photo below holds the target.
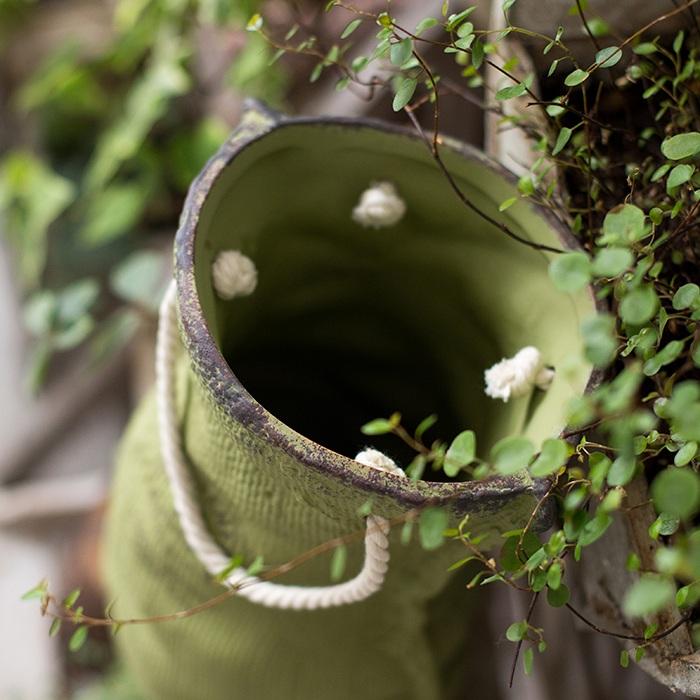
376,560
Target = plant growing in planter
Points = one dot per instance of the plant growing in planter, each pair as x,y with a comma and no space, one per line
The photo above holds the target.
627,190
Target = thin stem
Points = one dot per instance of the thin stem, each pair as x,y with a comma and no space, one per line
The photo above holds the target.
579,7
632,637
466,201
530,610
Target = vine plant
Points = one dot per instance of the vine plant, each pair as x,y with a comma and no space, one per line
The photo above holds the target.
628,187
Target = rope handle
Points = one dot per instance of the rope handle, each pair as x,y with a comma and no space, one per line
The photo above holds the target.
235,275
214,559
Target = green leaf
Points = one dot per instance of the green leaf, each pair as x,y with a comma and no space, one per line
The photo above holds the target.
664,357
460,453
517,631
645,49
70,600
681,146
55,627
624,658
576,77
378,426
608,57
113,212
255,23
554,574
404,93
424,24
678,41
140,279
406,532
558,597
40,312
506,204
431,525
73,302
679,176
686,454
555,110
611,262
365,508
598,26
623,225
528,661
659,173
233,564
462,562
38,592
316,72
512,454
401,51
257,565
676,491
454,20
338,561
465,29
78,638
570,271
32,196
384,20
425,425
562,139
688,595
594,529
512,91
477,53
599,340
350,28
648,595
510,558
554,454
639,306
665,525
686,296
146,103
622,471
416,468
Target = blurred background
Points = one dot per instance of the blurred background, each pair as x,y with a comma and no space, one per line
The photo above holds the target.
108,109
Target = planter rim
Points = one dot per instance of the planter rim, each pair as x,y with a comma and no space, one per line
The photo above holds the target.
488,494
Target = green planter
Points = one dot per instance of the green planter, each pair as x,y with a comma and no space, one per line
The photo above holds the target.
346,324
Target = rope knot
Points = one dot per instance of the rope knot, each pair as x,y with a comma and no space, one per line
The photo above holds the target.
379,206
233,274
516,376
378,460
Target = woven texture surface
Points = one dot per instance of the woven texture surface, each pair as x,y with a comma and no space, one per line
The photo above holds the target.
258,501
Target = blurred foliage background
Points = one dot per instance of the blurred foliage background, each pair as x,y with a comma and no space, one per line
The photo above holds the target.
109,110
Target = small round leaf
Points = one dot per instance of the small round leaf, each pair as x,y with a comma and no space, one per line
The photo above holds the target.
676,491
512,454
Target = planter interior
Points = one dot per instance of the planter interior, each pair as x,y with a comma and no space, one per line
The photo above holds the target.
348,324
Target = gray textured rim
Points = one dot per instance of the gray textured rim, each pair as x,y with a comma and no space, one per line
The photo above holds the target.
490,494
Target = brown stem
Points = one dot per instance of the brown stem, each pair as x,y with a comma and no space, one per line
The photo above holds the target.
585,25
633,637
466,201
530,610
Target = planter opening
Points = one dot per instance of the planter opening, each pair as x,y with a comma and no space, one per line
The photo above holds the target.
350,323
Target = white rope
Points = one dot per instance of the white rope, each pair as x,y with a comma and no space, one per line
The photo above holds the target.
516,376
198,537
379,207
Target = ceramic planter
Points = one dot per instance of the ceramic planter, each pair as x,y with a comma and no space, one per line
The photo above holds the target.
346,324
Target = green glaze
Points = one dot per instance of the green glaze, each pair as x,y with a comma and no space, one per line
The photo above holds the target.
346,324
